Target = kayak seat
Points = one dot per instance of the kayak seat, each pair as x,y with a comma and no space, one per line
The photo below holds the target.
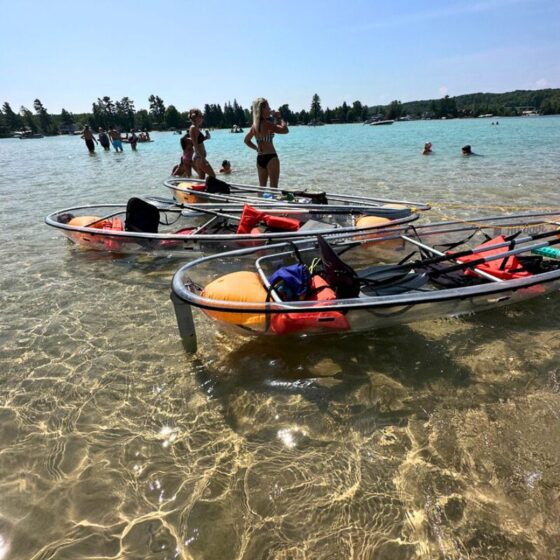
341,277
374,281
452,279
141,216
392,283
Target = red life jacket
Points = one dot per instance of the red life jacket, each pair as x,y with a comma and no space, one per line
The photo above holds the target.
280,222
506,269
287,323
249,219
113,224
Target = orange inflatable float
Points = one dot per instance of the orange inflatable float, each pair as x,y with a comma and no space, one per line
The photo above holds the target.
187,197
242,286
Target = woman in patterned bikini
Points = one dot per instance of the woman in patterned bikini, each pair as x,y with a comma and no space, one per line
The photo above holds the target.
199,162
263,131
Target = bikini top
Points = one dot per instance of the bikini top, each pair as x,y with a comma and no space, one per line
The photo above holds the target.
200,138
265,138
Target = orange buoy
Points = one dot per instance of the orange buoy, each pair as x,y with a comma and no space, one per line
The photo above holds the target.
87,239
184,197
364,222
241,287
86,221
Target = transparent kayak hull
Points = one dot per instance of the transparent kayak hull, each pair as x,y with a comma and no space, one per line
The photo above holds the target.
376,307
207,229
190,191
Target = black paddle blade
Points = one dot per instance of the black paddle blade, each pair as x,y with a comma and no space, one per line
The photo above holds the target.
341,277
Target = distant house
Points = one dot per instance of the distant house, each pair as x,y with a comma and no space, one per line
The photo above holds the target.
67,128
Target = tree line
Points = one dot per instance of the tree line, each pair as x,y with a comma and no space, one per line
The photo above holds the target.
159,116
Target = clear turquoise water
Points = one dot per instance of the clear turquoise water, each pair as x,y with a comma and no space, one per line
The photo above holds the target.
436,440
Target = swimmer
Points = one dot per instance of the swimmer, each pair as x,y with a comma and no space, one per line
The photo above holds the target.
226,167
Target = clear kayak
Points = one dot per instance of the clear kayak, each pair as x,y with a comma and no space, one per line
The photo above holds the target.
363,281
193,191
163,228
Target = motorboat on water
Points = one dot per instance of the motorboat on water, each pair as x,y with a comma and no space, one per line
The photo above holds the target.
381,123
28,135
161,227
363,281
193,191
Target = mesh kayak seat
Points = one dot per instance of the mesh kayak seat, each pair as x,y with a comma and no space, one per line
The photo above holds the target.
375,281
141,216
392,283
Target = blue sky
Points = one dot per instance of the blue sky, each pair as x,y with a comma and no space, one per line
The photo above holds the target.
69,53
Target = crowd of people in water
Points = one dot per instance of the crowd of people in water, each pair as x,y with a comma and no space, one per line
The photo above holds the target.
266,124
113,138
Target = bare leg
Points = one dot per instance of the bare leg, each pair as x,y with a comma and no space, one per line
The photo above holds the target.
263,175
207,168
199,171
273,169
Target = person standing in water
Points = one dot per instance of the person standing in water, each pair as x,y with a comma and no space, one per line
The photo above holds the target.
200,163
115,139
265,125
104,140
187,156
88,136
133,139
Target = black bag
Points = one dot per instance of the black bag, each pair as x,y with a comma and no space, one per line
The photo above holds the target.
316,198
214,185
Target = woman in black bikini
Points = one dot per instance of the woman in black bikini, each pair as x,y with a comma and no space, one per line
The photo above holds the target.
199,162
263,130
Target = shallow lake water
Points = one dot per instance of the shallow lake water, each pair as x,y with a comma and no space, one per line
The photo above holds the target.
432,440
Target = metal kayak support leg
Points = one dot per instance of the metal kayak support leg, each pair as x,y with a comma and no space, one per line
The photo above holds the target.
185,322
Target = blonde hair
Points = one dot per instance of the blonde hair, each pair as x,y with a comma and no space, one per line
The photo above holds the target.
257,110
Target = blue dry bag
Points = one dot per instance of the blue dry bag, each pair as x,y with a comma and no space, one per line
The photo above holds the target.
291,282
